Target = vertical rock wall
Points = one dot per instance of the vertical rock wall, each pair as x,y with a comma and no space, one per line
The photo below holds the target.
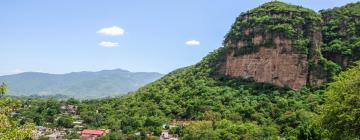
263,45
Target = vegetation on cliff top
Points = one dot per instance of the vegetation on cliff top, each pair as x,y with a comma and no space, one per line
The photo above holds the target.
300,26
341,33
275,19
277,6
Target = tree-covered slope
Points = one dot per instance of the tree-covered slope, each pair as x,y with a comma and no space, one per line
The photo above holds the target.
296,23
197,93
341,111
221,107
341,33
78,84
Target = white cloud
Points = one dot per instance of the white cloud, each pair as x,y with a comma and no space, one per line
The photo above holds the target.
192,42
16,71
108,44
111,31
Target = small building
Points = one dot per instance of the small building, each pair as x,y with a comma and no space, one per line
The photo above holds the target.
78,122
166,136
78,126
88,134
57,135
40,131
70,108
168,126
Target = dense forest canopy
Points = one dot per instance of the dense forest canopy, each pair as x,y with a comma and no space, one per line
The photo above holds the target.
341,111
341,33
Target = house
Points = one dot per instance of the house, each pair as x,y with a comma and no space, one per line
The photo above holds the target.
168,126
78,122
43,131
166,136
70,108
57,135
78,126
40,131
88,134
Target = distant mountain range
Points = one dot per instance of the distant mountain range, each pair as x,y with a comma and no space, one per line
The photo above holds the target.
82,85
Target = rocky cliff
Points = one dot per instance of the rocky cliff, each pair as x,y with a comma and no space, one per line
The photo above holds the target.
275,43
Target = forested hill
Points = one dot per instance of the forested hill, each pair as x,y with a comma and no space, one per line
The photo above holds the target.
229,107
78,84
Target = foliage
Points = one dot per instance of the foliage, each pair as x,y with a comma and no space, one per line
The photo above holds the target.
275,19
40,111
201,131
341,111
228,130
9,129
329,67
65,121
198,94
3,89
341,32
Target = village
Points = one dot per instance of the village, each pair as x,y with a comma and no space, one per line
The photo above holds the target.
79,132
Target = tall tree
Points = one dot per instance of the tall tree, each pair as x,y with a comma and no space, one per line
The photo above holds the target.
9,130
341,111
3,89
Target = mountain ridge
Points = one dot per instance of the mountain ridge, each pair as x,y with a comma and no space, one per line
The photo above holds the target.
84,84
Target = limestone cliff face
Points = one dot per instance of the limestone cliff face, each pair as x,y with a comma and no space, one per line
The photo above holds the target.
276,65
274,43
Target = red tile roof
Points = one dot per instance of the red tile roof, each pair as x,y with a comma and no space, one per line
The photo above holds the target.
92,132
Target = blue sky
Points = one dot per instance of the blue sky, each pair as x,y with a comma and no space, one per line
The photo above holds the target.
138,35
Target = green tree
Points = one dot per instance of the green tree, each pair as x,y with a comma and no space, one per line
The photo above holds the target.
3,89
65,121
202,130
9,130
341,110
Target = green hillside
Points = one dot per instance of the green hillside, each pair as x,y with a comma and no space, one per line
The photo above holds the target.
221,107
82,85
341,33
195,93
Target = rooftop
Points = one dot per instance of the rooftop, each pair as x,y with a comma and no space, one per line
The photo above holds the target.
93,132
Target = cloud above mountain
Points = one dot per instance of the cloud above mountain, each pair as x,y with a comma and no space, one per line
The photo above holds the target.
192,42
111,31
107,44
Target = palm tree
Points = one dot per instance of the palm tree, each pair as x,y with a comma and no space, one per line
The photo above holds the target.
3,89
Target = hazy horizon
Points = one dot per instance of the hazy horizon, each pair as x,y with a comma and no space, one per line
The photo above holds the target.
90,71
